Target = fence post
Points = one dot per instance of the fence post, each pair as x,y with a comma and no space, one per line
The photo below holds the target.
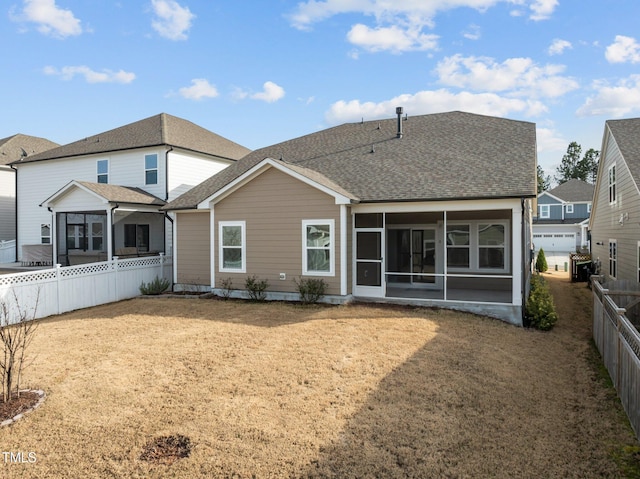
58,288
114,268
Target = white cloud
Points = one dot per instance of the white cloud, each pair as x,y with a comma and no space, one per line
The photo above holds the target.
549,140
519,76
624,49
613,101
419,13
472,33
91,76
394,39
433,101
172,20
542,9
558,46
270,93
50,18
199,89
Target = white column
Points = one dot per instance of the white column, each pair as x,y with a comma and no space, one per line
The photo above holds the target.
517,245
212,246
343,250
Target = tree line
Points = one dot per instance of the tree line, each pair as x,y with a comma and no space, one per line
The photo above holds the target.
573,165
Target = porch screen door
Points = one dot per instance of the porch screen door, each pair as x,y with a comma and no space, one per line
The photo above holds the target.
369,263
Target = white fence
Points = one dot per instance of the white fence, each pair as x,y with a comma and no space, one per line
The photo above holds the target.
619,344
53,291
7,251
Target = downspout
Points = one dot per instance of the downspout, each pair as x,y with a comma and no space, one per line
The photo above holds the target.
15,213
166,198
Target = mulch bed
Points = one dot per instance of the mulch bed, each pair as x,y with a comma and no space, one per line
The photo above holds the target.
18,405
166,449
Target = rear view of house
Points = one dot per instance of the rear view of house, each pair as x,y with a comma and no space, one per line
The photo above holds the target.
615,219
432,210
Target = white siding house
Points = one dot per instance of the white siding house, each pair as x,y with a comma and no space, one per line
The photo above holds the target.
60,200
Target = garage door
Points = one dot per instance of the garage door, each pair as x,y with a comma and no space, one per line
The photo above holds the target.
555,241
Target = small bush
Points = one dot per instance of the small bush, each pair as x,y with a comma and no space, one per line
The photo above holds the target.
311,290
156,286
540,311
541,262
227,286
256,288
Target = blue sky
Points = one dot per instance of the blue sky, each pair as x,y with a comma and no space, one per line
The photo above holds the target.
260,72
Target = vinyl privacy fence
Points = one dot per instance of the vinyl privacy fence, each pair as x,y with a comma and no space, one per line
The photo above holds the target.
57,290
619,344
7,251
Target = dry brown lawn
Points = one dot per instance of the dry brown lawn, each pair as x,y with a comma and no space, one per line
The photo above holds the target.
278,390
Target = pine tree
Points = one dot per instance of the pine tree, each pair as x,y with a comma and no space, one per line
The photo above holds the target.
541,262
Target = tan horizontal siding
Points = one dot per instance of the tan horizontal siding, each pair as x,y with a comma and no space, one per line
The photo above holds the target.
273,206
193,248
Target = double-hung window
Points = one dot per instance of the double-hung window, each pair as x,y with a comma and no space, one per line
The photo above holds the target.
545,211
478,246
232,250
491,245
569,209
151,169
458,246
103,171
317,247
45,234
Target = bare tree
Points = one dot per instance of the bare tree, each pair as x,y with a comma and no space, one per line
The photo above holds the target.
17,330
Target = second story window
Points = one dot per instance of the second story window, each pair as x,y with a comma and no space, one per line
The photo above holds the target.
569,209
151,169
103,171
612,184
545,211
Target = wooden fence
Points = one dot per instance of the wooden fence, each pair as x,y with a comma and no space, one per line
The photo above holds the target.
618,341
42,293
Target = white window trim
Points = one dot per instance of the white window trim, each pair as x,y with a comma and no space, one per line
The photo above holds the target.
243,248
569,208
474,247
588,208
98,174
332,248
545,211
156,169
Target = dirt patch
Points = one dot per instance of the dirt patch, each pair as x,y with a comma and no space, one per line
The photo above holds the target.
280,390
166,449
18,405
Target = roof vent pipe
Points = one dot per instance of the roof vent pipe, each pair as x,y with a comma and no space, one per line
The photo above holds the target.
399,113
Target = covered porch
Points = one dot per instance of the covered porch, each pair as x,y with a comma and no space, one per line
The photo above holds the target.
94,222
463,255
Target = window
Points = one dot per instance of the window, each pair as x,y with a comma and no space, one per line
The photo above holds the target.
612,184
569,209
491,246
45,234
478,245
613,258
545,211
151,169
458,246
103,171
136,236
588,208
232,255
317,244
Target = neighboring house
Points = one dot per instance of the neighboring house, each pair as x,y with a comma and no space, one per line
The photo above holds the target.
615,219
14,148
101,196
562,219
432,209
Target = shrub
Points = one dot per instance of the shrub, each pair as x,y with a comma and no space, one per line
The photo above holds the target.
156,286
540,311
311,290
541,262
256,288
227,286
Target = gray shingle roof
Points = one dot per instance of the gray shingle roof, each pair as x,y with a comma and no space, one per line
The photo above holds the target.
574,191
627,135
162,129
12,147
122,194
442,156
